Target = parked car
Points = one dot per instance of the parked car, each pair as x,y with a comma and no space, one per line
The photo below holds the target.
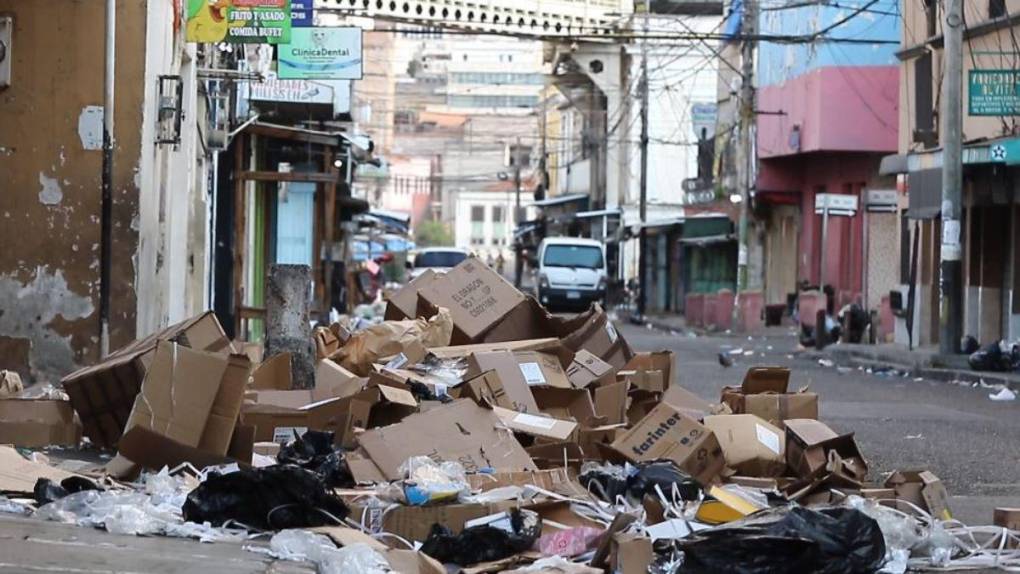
438,259
571,272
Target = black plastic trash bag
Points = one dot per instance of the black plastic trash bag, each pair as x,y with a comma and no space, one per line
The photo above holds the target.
969,345
790,540
47,491
990,358
270,498
484,543
664,474
606,481
314,451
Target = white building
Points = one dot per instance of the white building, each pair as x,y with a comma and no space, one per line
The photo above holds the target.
484,221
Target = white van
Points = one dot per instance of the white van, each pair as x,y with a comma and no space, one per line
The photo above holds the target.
571,272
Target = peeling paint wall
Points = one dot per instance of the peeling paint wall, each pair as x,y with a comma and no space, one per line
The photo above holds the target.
50,183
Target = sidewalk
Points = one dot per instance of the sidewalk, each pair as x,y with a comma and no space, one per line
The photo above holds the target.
925,362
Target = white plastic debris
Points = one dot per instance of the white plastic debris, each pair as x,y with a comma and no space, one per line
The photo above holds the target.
1003,395
428,481
11,507
826,362
328,559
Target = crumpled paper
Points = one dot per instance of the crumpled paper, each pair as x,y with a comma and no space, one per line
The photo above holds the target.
391,338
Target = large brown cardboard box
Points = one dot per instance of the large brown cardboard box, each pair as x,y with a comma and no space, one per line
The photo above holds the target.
103,394
587,369
459,431
280,414
668,433
814,450
751,446
403,303
478,298
690,404
611,402
568,404
484,388
34,423
226,407
595,333
764,393
506,366
541,369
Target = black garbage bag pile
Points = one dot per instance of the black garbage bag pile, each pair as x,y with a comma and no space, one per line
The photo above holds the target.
992,358
47,491
484,543
648,475
789,540
270,498
314,451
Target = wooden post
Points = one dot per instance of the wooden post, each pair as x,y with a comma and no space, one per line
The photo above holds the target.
239,230
328,231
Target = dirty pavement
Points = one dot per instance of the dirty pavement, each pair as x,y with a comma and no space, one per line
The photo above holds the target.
472,431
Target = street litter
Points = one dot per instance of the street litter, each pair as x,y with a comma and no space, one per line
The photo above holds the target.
464,425
1003,395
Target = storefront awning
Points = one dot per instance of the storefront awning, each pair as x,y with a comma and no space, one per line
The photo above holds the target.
708,239
561,199
894,164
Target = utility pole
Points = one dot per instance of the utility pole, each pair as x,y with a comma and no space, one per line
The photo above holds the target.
951,311
106,202
643,206
745,150
518,216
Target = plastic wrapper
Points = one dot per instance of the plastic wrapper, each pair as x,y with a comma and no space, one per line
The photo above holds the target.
428,481
606,480
484,543
314,451
789,540
328,559
270,498
445,372
11,507
569,542
47,391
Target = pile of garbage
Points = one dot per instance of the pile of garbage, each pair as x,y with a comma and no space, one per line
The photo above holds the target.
472,431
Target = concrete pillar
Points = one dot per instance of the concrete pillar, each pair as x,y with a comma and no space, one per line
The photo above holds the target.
288,292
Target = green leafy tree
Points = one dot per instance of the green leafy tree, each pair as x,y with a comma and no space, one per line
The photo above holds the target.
433,234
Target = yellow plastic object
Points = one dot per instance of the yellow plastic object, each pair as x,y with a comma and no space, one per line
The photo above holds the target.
726,507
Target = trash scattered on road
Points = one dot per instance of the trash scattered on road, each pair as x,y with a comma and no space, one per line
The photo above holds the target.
464,424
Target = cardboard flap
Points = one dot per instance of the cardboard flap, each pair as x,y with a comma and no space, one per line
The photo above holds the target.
403,303
398,396
809,432
273,374
535,425
766,380
153,451
586,368
20,474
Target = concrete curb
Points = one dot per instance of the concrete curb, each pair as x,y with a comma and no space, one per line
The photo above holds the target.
916,367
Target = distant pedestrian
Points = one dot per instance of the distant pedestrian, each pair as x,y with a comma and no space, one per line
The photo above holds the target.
500,263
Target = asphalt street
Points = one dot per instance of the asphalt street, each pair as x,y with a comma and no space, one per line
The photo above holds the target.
972,443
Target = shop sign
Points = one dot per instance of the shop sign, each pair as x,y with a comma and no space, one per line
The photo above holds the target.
239,21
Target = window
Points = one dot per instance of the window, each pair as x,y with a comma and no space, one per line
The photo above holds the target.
498,224
996,8
477,224
924,121
509,57
585,256
517,153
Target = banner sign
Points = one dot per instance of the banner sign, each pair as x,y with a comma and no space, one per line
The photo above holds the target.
302,13
993,93
272,89
239,21
321,53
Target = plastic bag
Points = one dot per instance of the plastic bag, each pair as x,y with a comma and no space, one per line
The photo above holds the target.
990,358
11,507
428,481
314,451
47,491
570,542
607,480
789,540
664,474
270,498
484,543
318,549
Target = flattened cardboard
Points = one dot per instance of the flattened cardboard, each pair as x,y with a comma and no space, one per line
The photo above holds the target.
335,381
651,381
273,374
536,425
750,445
587,369
505,364
567,404
104,394
20,474
403,303
486,388
219,427
668,433
663,361
558,480
178,393
478,298
414,522
541,370
547,345
558,455
611,402
459,431
34,423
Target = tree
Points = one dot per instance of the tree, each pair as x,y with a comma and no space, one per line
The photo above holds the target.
433,234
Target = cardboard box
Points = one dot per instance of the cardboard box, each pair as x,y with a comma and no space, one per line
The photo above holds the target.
478,298
558,455
549,345
595,333
392,406
536,425
460,431
591,438
668,433
19,474
280,414
664,361
611,402
814,450
587,369
690,404
226,407
403,303
528,320
764,393
923,489
505,364
652,381
34,423
558,480
104,394
337,381
414,522
567,404
750,445
541,370
273,374
486,388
